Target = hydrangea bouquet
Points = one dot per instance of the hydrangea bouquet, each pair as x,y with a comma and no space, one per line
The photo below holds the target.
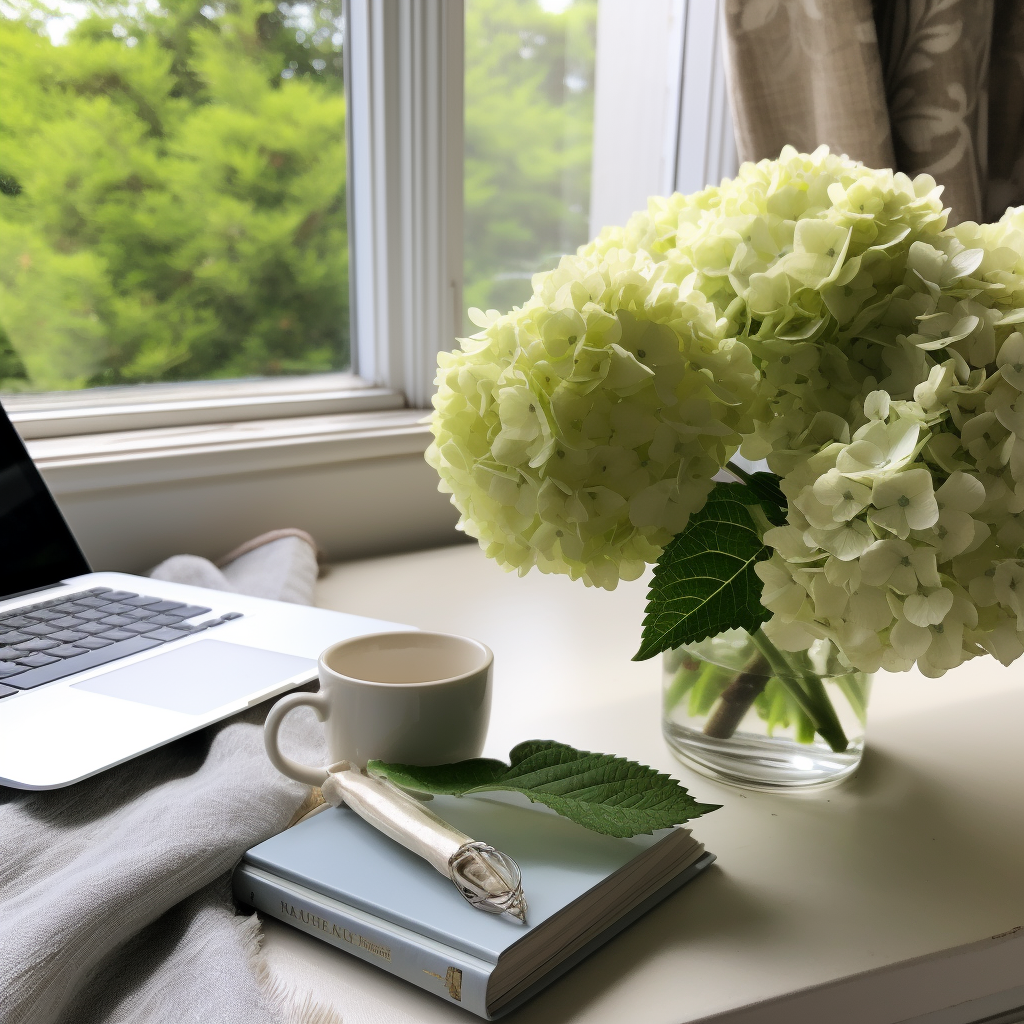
811,312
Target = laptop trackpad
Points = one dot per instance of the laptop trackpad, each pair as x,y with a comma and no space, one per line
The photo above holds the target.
198,677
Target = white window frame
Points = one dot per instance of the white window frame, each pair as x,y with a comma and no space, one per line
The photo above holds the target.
662,121
405,77
149,406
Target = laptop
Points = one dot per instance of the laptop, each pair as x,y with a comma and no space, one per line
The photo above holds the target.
99,667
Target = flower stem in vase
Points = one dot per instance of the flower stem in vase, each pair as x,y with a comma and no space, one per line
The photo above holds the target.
807,690
737,698
829,727
687,672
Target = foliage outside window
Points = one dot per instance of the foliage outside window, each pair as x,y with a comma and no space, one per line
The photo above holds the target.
173,193
172,181
529,134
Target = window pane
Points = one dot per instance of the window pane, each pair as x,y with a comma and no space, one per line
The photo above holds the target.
172,191
529,126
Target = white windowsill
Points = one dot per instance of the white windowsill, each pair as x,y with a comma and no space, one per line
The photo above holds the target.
356,481
152,406
134,458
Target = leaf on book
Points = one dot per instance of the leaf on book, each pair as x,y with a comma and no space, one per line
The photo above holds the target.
704,582
602,792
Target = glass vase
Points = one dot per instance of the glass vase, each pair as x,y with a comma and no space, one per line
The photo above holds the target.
741,711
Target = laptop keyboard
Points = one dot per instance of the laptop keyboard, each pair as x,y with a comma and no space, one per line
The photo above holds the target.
53,639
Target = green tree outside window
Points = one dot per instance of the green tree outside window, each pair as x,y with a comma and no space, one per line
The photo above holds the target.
173,203
529,136
172,181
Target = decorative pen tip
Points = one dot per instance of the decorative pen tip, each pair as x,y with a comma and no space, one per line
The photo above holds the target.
517,908
489,880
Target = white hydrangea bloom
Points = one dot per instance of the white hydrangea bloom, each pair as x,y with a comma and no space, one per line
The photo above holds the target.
902,502
900,566
810,311
579,432
937,440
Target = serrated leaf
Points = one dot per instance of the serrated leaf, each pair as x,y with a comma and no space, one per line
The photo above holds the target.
768,489
602,792
704,582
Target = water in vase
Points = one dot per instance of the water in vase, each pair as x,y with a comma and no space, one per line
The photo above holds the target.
738,709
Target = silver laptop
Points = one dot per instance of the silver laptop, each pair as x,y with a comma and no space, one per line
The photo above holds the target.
98,667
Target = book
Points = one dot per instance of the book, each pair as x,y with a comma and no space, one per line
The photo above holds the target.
336,877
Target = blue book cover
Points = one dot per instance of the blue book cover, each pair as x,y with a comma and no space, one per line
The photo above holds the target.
336,877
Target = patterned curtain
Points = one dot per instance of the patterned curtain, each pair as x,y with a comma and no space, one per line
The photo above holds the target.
933,86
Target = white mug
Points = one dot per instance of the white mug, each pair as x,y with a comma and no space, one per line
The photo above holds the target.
407,697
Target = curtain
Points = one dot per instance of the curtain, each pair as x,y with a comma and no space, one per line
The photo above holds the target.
923,86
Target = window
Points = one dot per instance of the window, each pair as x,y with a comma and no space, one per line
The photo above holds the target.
140,139
576,111
172,192
173,188
528,141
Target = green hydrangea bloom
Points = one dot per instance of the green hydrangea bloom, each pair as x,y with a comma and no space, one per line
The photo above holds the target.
578,433
906,527
781,228
812,312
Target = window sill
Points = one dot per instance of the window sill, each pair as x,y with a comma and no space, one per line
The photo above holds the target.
356,481
136,458
153,406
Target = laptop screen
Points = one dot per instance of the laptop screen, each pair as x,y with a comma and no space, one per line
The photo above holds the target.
36,546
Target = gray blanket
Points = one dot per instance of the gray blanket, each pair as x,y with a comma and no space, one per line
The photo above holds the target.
115,892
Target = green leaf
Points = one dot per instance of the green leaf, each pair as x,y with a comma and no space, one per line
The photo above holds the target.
767,488
604,793
705,582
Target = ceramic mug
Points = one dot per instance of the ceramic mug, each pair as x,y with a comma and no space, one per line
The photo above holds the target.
407,697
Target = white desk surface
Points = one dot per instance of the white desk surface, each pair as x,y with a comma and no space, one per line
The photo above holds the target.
921,851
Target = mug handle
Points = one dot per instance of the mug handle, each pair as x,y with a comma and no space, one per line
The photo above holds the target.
285,765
